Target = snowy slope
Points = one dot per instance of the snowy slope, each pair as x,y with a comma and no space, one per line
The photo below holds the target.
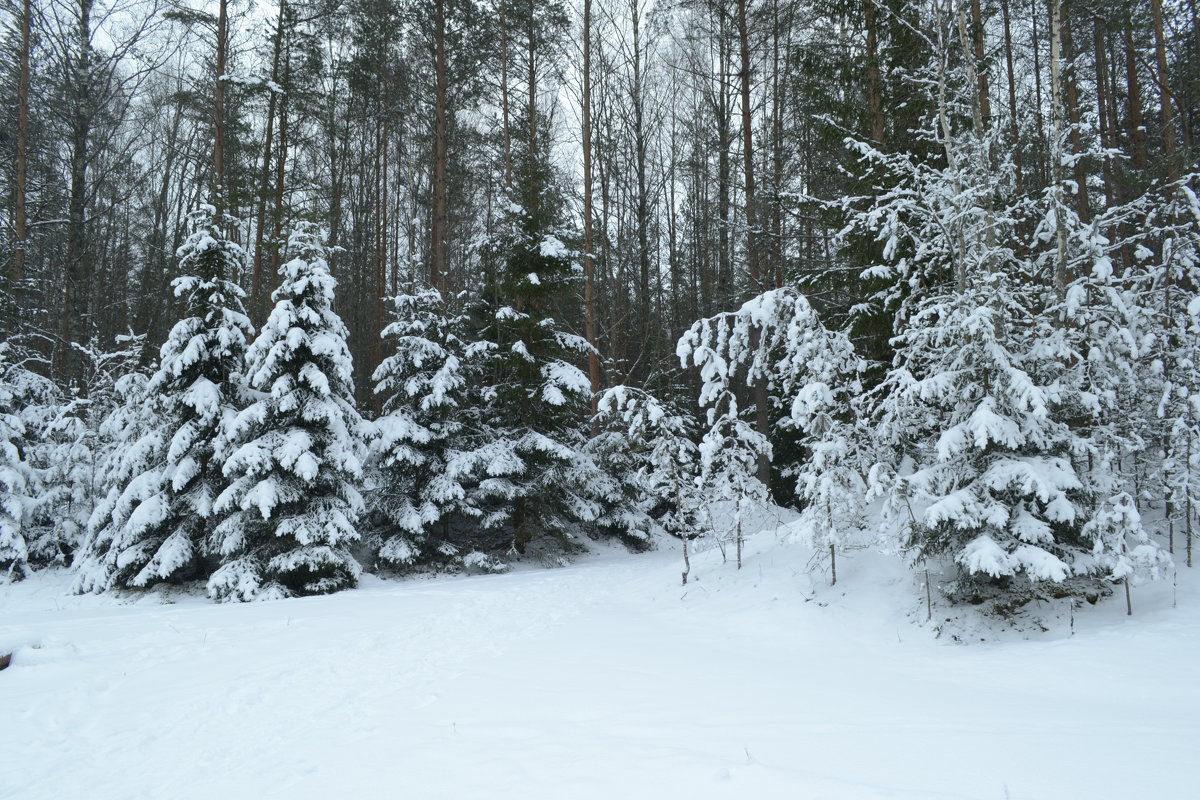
601,680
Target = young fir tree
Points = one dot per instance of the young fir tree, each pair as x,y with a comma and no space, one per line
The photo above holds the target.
157,527
429,415
648,453
18,480
1170,299
532,474
296,452
128,442
72,449
810,373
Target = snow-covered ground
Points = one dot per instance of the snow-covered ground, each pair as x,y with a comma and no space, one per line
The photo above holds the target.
605,679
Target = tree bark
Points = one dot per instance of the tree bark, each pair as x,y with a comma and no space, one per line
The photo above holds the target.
77,275
1166,103
752,261
874,83
1103,92
256,278
1014,127
981,74
589,259
1058,123
504,107
439,228
1137,130
1083,204
219,110
16,274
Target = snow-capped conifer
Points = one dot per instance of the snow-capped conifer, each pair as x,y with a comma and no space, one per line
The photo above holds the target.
1171,303
651,450
532,473
72,449
429,414
18,482
296,452
157,527
812,375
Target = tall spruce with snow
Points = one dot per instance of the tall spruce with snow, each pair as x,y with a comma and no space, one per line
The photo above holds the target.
296,452
533,475
1171,300
430,414
983,421
157,526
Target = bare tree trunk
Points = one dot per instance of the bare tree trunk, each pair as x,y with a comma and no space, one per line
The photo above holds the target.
1014,127
1166,104
1037,91
219,110
752,263
1103,90
874,83
256,278
78,274
531,48
1058,123
1137,130
438,228
589,258
985,101
16,270
1072,101
761,414
504,110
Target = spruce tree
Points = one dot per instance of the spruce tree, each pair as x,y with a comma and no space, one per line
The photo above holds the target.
296,452
155,524
18,481
430,413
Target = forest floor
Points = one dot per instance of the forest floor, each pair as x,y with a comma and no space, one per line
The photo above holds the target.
602,679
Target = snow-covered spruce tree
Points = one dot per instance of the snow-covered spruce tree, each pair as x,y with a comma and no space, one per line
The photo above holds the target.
729,454
296,452
1170,298
980,424
831,478
72,449
430,414
18,480
532,473
650,451
157,529
811,375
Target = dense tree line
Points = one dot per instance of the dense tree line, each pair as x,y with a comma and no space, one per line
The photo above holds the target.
937,256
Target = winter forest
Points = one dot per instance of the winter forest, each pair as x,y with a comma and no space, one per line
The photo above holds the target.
296,290
592,399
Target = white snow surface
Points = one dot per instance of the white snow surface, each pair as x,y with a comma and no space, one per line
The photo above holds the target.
603,679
